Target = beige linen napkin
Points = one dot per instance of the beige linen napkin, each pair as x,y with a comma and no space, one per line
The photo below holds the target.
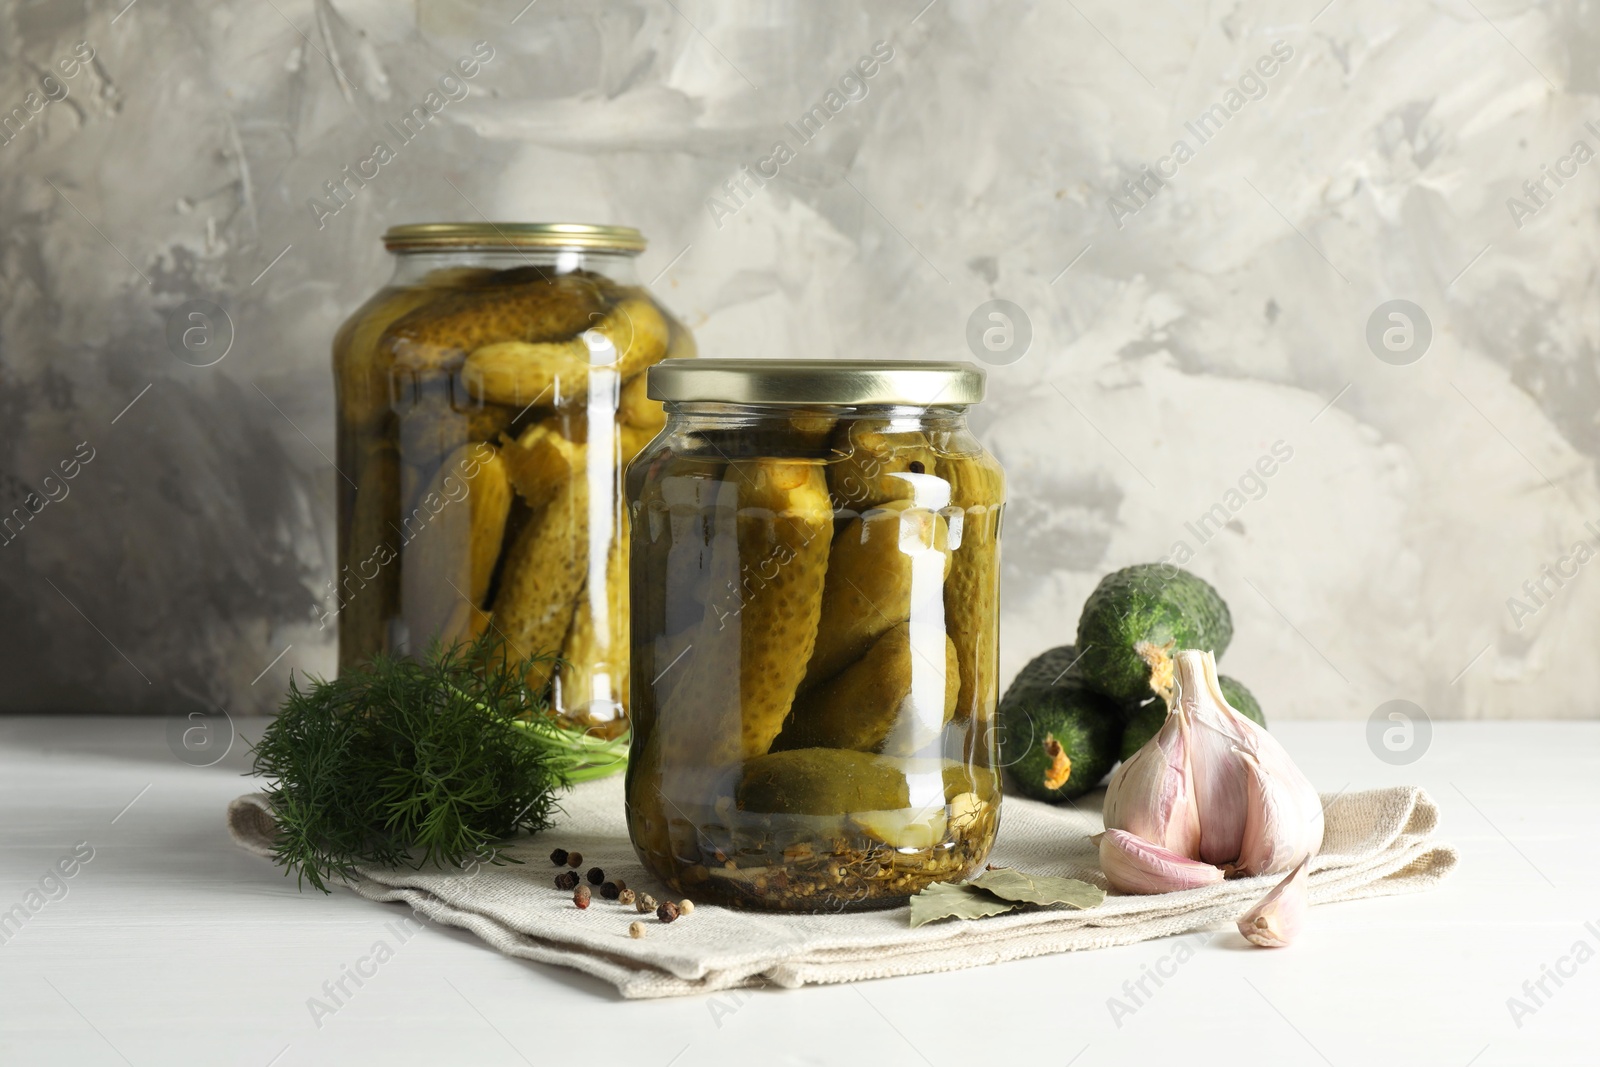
1376,843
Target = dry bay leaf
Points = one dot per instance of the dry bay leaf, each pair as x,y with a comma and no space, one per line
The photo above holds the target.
955,900
1010,884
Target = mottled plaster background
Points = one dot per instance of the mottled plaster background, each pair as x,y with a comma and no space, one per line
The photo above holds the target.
1172,346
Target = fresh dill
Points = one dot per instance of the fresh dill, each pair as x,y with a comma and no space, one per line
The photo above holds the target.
418,762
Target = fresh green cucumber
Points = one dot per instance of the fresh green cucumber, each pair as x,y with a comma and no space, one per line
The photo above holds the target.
1058,741
1051,667
1137,618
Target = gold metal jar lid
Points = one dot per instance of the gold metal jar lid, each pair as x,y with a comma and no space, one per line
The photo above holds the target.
924,383
439,235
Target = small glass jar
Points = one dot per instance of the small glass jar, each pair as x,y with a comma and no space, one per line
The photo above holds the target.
815,573
489,398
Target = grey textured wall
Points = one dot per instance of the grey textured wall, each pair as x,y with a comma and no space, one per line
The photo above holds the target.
1332,161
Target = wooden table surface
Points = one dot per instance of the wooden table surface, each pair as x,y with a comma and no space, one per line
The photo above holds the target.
167,945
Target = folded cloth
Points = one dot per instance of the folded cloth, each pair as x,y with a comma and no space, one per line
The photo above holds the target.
1375,843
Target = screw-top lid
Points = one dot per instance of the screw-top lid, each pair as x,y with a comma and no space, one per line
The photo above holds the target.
575,235
923,383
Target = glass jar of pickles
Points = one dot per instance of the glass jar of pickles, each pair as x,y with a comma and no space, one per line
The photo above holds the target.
488,399
814,581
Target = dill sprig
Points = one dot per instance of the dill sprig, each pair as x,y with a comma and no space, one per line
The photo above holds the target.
401,761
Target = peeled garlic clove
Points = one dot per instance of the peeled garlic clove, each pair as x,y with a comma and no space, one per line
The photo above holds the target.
1152,795
1278,917
1133,865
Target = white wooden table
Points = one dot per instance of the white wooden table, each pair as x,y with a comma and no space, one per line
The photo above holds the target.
169,946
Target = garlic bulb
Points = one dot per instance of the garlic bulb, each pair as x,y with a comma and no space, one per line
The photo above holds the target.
1277,919
1210,789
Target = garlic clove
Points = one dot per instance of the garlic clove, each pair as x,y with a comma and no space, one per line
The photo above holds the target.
1260,814
1270,842
1219,770
1152,795
1133,865
1283,823
1277,919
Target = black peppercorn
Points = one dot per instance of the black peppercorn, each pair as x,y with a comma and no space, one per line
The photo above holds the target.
596,876
610,891
574,859
667,912
559,857
567,880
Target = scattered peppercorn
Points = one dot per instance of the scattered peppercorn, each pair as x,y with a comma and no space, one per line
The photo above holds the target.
558,857
636,930
621,885
646,904
625,896
567,880
667,912
596,876
580,896
610,891
574,859
685,907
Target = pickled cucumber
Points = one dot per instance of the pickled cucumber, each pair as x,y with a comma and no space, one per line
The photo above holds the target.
450,559
735,694
544,570
830,781
485,422
635,408
672,533
871,460
429,431
593,679
465,623
438,336
541,462
362,366
977,487
878,575
874,705
631,337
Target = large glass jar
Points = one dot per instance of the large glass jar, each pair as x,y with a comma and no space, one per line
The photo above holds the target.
488,399
815,575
